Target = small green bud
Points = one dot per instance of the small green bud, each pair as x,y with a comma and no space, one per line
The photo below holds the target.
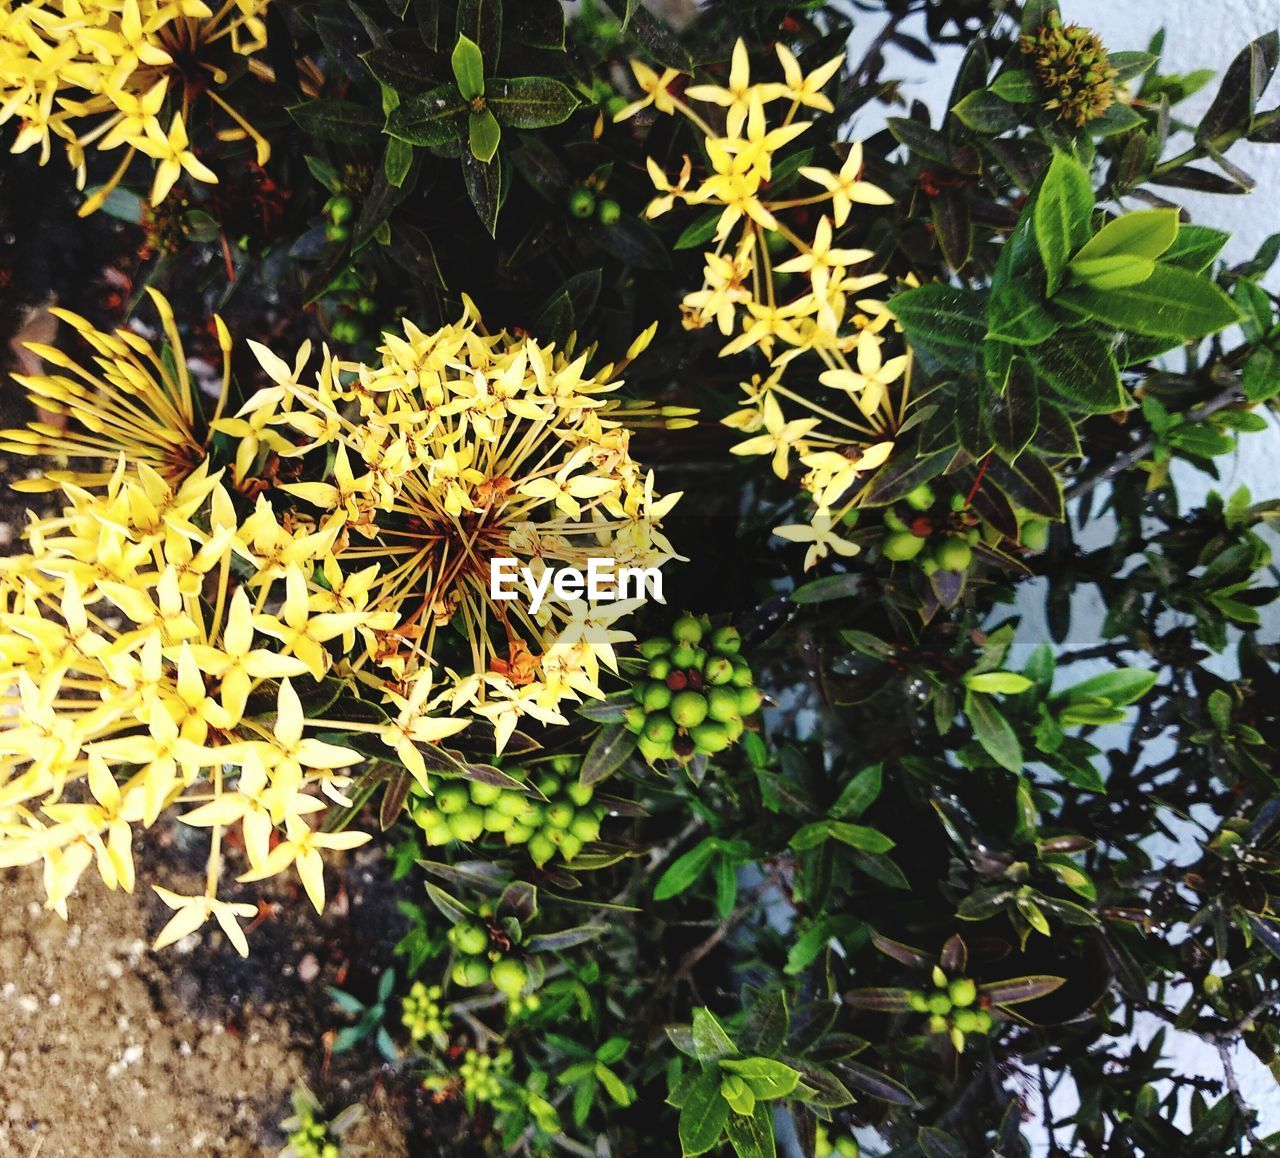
340,209
921,499
659,668
919,1002
726,641
484,794
939,1003
579,793
469,937
964,991
656,697
953,554
586,828
468,824
509,976
660,728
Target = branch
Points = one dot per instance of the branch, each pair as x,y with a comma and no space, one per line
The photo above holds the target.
1198,413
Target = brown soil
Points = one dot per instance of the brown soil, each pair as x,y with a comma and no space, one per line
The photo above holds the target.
107,1047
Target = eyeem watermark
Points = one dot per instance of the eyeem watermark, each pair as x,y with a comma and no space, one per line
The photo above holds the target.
602,582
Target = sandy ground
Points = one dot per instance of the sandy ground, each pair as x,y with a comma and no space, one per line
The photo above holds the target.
107,1047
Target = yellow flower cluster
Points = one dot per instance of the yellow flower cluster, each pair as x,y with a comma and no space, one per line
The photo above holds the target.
122,74
756,254
463,447
161,637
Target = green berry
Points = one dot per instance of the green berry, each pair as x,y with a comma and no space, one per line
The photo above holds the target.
586,828
634,718
608,212
340,209
485,794
938,1024
469,937
519,834
366,306
497,821
1035,534
929,566
548,784
651,750
953,554
569,844
722,703
541,849
467,825
710,737
984,1021
958,502
579,793
659,668
652,648
687,629
564,765
684,656
453,797
336,233
437,832
920,499
749,701
902,546
509,976
741,674
726,640
919,1002
688,709
963,991
893,521
939,1003
719,670
470,972
348,331
656,697
614,105
660,728
734,728
966,1020
582,202
513,804
559,814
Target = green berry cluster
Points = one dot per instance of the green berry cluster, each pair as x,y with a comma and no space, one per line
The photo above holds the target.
694,699
583,203
950,1006
564,819
481,958
421,1012
482,1073
311,1140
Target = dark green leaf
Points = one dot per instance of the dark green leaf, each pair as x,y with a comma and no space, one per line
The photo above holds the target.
1079,367
986,113
949,322
1242,85
1013,417
1172,302
428,119
704,1114
710,1042
900,476
859,794
481,21
993,732
530,102
608,752
337,120
484,187
538,23
682,872
1016,990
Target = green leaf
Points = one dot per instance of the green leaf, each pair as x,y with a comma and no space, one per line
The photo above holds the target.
397,161
336,120
1145,233
1114,271
1080,367
859,836
428,119
751,1136
1242,84
481,20
827,588
1172,302
683,871
608,752
613,1086
703,1117
1063,206
993,732
1120,687
1261,376
985,112
699,231
484,187
948,322
483,135
1016,990
767,1078
710,1042
1012,416
468,68
859,794
530,102
1018,317
1017,86
997,682
899,477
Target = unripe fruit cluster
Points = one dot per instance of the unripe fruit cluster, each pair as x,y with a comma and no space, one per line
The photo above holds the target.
934,539
696,693
563,821
950,1006
421,1012
481,1073
480,959
583,203
312,1141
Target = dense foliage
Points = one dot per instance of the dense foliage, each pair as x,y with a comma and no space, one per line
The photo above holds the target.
828,845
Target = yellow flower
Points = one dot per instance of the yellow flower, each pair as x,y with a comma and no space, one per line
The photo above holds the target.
807,90
846,187
172,151
869,383
781,436
192,912
820,260
738,94
820,537
654,87
302,850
